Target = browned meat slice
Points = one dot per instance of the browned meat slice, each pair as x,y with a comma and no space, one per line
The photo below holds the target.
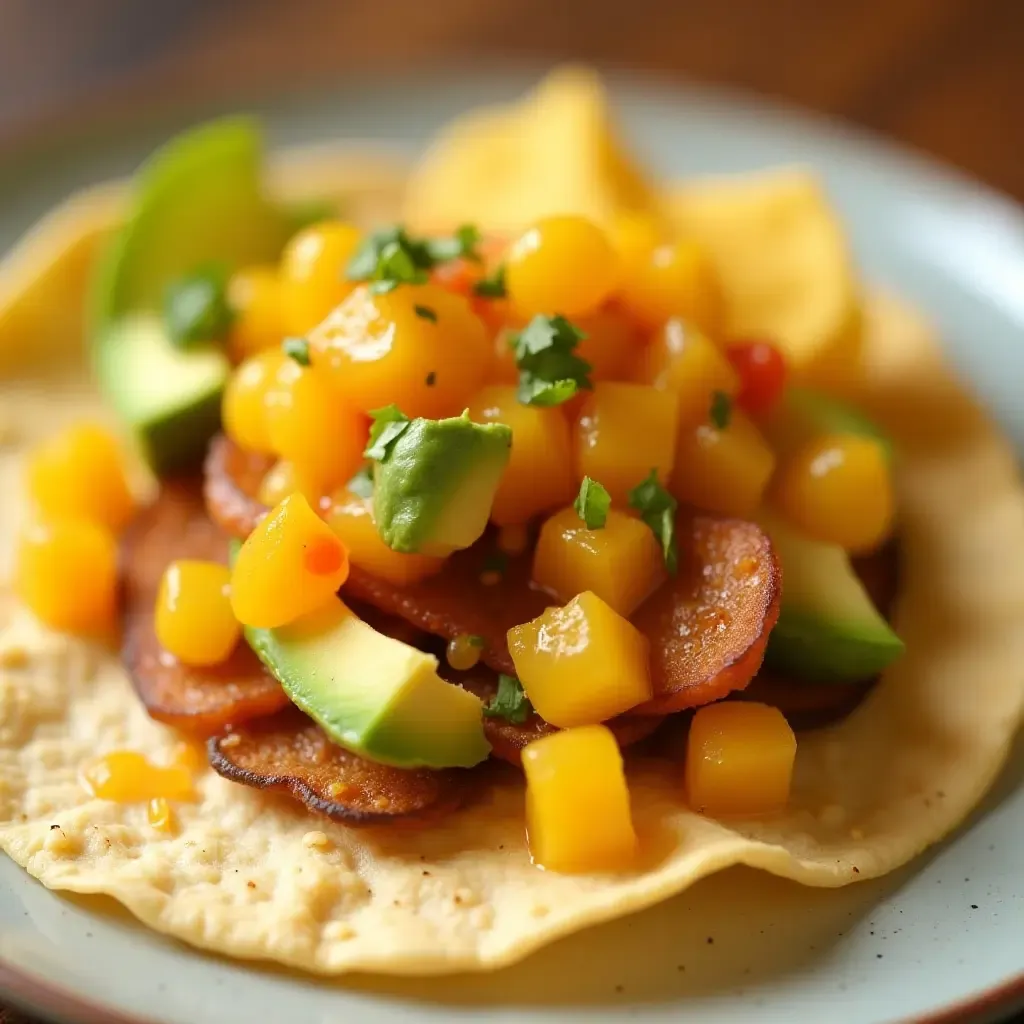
508,739
197,700
290,754
231,481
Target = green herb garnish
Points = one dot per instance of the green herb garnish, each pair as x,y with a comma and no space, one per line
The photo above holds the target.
196,307
657,508
493,285
389,424
361,484
474,640
592,504
426,313
461,245
549,370
510,702
297,349
721,409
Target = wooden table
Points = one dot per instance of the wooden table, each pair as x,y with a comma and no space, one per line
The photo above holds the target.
946,76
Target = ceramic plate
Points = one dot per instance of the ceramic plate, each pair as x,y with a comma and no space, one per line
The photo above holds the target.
941,940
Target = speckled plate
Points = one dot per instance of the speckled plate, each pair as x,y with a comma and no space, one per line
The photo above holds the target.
942,940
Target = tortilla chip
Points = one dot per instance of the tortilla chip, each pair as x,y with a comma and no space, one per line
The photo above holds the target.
483,168
784,262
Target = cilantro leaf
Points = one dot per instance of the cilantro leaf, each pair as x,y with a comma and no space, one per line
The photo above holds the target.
462,244
549,370
389,424
362,483
297,349
592,504
396,265
196,307
721,409
364,264
426,313
492,286
510,702
657,508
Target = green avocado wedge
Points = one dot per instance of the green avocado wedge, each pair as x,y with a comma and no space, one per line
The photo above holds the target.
828,630
373,695
198,200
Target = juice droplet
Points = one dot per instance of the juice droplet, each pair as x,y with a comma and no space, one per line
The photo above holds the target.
324,557
126,776
464,651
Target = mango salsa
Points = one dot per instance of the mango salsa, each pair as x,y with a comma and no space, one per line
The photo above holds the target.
581,664
351,518
621,562
577,802
539,473
623,432
193,619
291,564
722,469
739,759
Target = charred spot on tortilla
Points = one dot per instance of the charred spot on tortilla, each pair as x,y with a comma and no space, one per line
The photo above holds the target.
507,739
198,700
289,754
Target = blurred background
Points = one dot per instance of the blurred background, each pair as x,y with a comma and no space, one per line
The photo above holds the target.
945,76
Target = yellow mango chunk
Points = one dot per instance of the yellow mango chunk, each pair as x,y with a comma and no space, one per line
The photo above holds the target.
623,432
539,474
483,168
126,776
783,263
722,470
682,359
577,802
193,618
351,518
290,565
581,664
621,562
739,759
79,474
66,575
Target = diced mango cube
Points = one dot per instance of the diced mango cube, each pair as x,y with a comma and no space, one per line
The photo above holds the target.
290,565
539,473
623,432
722,470
79,474
621,562
739,759
682,359
351,518
581,664
193,618
66,575
577,802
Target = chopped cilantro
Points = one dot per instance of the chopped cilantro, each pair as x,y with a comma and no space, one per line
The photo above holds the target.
549,370
362,483
474,640
364,264
196,307
389,424
493,285
657,508
592,504
721,409
462,244
426,312
510,702
395,266
297,349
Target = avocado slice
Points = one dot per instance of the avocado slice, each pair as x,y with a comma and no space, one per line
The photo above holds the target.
434,485
198,200
372,694
805,413
828,630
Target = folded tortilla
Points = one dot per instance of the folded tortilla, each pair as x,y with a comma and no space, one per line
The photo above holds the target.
253,876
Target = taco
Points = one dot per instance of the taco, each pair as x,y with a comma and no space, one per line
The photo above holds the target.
401,598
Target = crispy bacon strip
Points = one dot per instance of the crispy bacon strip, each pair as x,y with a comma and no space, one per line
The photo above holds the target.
508,739
290,754
729,577
204,700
